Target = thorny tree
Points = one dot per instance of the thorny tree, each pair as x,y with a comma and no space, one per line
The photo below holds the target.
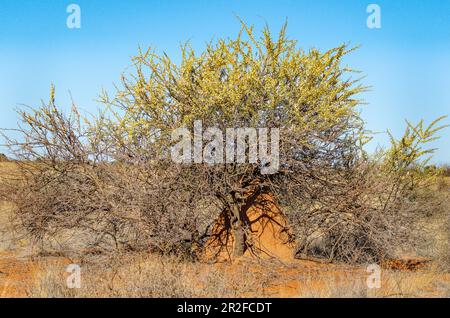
113,177
239,83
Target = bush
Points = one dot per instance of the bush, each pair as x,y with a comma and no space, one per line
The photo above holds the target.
69,193
374,214
446,170
106,183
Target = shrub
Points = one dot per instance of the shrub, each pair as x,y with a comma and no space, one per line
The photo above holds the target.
375,212
107,183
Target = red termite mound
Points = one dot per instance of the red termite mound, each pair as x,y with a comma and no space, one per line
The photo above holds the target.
267,234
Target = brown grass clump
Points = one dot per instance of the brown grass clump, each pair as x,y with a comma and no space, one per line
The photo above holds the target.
394,284
164,276
444,255
156,276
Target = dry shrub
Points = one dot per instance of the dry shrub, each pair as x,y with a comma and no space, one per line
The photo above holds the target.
444,255
69,197
107,184
375,211
446,170
73,195
372,217
103,207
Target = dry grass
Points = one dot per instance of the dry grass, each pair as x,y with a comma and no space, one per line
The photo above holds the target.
155,276
393,284
162,276
444,255
439,229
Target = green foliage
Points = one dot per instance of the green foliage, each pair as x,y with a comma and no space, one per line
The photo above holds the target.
408,157
101,176
241,82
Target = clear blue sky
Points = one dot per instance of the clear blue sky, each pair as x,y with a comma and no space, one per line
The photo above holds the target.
407,61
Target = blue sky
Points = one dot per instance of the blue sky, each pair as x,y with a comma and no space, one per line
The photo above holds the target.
407,61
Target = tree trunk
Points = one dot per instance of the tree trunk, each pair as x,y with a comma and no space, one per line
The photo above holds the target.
239,240
238,231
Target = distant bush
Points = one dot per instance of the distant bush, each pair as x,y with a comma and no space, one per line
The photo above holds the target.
446,170
444,255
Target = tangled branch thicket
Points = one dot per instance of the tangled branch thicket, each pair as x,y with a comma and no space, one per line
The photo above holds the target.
107,182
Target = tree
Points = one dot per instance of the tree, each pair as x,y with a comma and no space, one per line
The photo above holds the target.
112,180
245,82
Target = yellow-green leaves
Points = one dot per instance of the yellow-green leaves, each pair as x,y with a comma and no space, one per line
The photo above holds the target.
233,81
408,157
52,94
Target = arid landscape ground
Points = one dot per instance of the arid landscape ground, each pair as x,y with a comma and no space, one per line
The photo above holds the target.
276,149
24,272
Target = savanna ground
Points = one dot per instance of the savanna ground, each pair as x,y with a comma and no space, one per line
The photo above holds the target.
25,272
97,191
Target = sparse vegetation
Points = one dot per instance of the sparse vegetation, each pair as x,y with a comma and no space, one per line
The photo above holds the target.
104,185
444,250
158,276
163,276
446,170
